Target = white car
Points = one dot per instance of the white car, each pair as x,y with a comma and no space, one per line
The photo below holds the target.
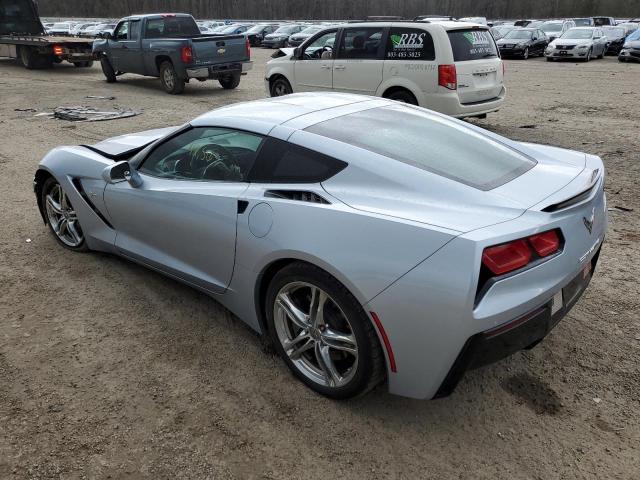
583,43
450,67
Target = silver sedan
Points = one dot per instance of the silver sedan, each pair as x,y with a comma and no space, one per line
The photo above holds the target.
370,241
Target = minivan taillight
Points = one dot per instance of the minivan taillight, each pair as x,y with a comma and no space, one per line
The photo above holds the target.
247,48
186,55
447,76
510,256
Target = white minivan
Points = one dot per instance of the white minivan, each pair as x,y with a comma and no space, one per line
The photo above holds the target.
450,67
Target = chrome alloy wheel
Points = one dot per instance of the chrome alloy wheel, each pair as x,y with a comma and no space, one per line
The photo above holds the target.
62,217
167,76
315,334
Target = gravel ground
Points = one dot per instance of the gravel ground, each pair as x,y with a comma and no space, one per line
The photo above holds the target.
108,370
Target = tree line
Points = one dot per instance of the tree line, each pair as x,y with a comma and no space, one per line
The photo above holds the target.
342,9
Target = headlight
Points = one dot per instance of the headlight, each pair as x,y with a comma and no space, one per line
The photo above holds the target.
626,45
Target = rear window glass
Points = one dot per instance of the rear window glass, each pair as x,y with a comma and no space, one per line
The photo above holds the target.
171,27
409,44
472,45
430,143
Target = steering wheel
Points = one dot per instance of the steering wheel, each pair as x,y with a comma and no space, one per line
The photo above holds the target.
215,162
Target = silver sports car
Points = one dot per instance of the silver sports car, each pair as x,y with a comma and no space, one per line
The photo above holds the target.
368,239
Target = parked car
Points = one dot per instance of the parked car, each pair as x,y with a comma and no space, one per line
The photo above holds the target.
582,43
281,35
61,28
631,48
478,20
103,30
601,21
487,242
523,43
78,27
523,23
584,22
433,18
185,53
450,67
500,31
233,29
256,33
616,37
298,39
554,28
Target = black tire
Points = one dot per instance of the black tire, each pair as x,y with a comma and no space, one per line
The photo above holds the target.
49,184
107,69
622,59
86,64
525,53
280,86
550,59
230,81
588,57
403,96
169,78
370,370
32,60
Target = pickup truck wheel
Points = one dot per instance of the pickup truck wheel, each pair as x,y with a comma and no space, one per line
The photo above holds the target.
107,69
83,64
279,87
169,78
230,82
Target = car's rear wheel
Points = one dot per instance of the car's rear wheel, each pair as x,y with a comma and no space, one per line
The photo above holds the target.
230,81
170,80
279,87
322,332
62,217
107,69
403,96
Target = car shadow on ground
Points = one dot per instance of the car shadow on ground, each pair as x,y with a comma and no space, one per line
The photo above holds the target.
63,68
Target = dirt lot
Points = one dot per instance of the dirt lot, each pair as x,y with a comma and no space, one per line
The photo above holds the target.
108,370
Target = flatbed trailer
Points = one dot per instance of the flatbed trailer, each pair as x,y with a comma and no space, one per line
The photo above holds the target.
23,37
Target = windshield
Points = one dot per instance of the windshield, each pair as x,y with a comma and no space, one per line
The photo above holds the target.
582,22
229,29
634,36
311,30
423,140
257,28
551,27
613,32
519,34
472,44
287,29
578,34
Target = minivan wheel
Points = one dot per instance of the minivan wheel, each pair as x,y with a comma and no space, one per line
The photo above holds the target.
403,96
322,333
279,87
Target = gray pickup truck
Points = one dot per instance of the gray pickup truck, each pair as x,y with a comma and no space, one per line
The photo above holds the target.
171,47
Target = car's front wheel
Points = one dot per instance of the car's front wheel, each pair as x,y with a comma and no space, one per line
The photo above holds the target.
279,87
107,69
322,332
62,217
525,54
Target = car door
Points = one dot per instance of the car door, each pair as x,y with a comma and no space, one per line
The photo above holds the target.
313,69
359,60
117,45
182,219
602,39
131,54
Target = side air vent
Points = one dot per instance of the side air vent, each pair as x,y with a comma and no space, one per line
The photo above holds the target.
85,197
296,195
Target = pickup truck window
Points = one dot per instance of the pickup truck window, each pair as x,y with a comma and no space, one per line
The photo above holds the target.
122,31
168,27
134,30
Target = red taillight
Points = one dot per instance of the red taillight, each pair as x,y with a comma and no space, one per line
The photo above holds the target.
247,48
507,257
57,50
186,55
447,76
545,243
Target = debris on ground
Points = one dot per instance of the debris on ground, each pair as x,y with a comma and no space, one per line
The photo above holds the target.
25,110
89,114
100,97
528,126
620,209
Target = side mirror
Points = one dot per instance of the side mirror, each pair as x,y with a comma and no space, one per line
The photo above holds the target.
296,53
107,36
120,172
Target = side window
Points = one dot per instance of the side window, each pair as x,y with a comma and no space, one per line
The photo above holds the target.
284,162
122,31
134,30
409,44
205,153
360,43
154,28
321,47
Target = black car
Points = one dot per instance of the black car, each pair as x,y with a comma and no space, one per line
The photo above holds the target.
631,48
523,43
256,33
616,37
297,39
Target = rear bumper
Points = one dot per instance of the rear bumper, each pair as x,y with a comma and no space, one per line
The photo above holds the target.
219,70
525,332
450,104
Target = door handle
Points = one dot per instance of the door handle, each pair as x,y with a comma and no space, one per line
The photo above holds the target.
326,67
339,67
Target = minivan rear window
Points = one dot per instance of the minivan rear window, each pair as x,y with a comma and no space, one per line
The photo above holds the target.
429,142
473,44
